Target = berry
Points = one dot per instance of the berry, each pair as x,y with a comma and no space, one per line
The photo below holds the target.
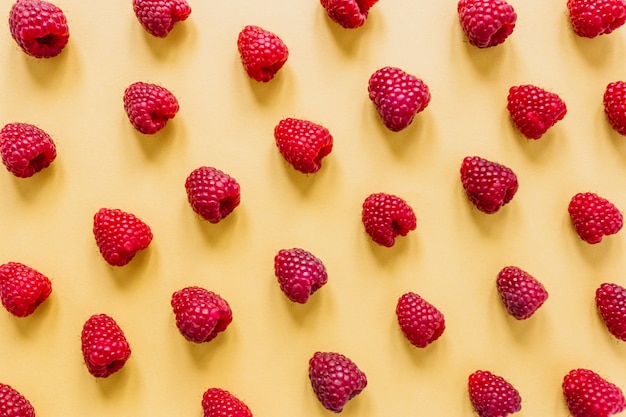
615,105
350,14
303,143
26,149
119,235
200,314
105,348
335,379
217,402
39,28
13,403
262,52
421,322
386,216
492,396
212,194
594,217
299,273
22,288
149,106
520,292
611,305
488,185
486,23
534,110
159,16
589,395
397,96
591,18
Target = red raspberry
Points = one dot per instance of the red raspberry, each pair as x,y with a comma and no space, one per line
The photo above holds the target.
386,216
397,96
119,235
105,348
299,273
421,322
217,402
13,403
335,379
212,194
22,288
159,16
149,106
492,396
615,105
39,28
594,217
486,23
589,395
303,143
534,110
591,18
611,305
350,14
520,292
262,52
200,314
488,185
26,149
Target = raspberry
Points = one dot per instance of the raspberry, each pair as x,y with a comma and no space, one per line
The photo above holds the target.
335,379
262,52
159,16
350,14
39,28
386,216
212,194
397,96
13,403
303,143
520,292
615,105
594,217
149,106
421,322
217,402
22,289
534,110
200,314
492,396
589,395
486,23
611,305
591,18
26,149
488,185
119,235
105,348
299,273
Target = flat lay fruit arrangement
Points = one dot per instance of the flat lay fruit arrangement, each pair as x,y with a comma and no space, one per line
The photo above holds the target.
303,209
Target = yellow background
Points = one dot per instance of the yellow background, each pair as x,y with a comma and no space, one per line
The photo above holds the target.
226,120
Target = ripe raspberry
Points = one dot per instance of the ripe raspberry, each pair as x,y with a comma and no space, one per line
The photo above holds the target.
26,149
350,14
534,110
589,395
594,217
39,28
615,105
149,106
335,379
200,314
386,216
611,305
105,348
262,52
492,396
159,16
421,322
217,402
303,143
397,96
520,292
591,18
119,235
212,193
486,23
299,273
22,288
13,403
488,185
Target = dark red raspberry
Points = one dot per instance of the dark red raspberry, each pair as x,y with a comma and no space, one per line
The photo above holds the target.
212,193
534,110
350,14
589,395
22,288
105,348
217,402
611,305
386,216
299,273
591,18
39,28
120,235
492,396
26,149
615,105
158,17
594,217
262,52
488,185
149,106
520,292
200,314
13,403
303,143
486,23
420,321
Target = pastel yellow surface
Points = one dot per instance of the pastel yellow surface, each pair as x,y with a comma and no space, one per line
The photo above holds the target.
226,120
